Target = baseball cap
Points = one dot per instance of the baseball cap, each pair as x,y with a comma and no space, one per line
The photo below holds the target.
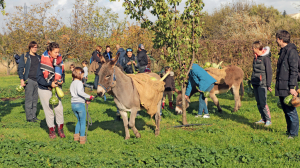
141,46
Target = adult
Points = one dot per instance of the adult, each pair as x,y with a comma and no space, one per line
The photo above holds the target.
129,62
261,80
95,57
122,54
286,79
50,75
27,70
142,58
96,53
200,78
108,54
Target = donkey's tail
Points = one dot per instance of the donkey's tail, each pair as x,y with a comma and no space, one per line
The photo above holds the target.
242,89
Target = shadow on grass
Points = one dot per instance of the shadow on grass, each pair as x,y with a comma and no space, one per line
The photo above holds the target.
7,106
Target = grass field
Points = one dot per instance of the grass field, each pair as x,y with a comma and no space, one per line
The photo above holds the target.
229,139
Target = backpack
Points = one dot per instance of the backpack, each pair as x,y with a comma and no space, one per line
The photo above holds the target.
91,60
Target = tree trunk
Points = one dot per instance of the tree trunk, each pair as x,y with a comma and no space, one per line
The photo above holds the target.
183,88
8,69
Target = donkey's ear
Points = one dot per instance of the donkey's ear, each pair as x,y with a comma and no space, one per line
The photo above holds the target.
114,61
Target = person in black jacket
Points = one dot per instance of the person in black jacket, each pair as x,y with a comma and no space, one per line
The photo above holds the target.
286,79
142,58
27,70
128,60
108,55
96,53
261,80
169,87
96,57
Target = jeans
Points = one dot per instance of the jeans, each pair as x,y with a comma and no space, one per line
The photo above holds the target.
260,94
202,105
80,113
291,117
96,81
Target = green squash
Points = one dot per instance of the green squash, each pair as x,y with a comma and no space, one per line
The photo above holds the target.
53,100
207,64
20,88
59,92
214,65
287,100
206,94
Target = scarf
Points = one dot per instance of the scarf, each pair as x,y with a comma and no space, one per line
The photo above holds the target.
52,67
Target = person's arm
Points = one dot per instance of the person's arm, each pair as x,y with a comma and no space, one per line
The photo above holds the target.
21,67
41,80
188,87
85,72
81,92
293,63
268,67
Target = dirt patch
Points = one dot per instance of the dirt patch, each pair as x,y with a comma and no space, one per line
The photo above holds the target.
12,98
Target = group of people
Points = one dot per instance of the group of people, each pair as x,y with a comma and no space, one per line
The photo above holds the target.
287,77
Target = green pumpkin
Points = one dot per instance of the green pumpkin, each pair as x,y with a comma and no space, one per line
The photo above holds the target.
214,65
287,100
53,100
279,104
20,88
206,94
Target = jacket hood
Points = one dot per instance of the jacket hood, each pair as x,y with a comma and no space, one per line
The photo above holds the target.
143,51
267,49
290,45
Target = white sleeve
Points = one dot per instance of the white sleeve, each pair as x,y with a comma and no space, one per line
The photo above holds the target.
85,69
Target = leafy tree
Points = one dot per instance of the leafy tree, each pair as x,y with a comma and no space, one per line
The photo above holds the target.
2,7
175,33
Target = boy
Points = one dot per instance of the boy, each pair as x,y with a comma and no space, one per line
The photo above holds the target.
85,75
169,87
261,80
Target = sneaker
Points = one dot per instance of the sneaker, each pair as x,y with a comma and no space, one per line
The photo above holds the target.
260,122
268,123
198,115
290,137
206,116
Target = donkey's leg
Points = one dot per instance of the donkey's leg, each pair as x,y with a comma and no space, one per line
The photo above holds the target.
236,93
125,122
132,123
157,119
216,101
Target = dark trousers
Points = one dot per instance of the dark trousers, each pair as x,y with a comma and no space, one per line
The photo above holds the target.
31,99
142,69
96,81
260,94
84,80
291,117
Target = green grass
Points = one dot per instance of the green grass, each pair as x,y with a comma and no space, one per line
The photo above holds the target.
232,140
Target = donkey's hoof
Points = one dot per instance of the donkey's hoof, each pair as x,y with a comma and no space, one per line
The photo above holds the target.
138,135
126,138
157,132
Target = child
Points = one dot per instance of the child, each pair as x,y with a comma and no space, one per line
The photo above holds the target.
86,72
261,80
71,69
169,87
77,101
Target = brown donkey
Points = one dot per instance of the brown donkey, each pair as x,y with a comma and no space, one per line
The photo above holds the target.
113,81
233,80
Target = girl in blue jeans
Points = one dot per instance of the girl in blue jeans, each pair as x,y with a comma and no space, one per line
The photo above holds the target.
199,77
78,100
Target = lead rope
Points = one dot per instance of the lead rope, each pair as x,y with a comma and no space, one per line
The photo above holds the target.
89,120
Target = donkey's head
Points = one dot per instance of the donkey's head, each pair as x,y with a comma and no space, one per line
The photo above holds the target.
107,79
178,108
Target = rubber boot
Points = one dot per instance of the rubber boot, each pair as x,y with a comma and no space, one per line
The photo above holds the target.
82,140
52,134
171,105
61,131
76,137
163,105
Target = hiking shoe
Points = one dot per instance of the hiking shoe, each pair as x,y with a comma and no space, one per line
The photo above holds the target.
206,116
260,122
198,115
268,123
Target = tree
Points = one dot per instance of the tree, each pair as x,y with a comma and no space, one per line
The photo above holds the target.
284,13
2,5
175,33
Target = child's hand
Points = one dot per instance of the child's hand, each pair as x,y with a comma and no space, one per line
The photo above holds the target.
92,97
87,102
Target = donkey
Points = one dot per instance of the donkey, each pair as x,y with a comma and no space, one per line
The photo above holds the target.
233,81
114,81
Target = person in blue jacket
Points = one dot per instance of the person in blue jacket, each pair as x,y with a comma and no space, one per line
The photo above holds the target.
199,77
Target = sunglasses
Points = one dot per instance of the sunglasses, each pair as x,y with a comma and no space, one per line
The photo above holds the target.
129,50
